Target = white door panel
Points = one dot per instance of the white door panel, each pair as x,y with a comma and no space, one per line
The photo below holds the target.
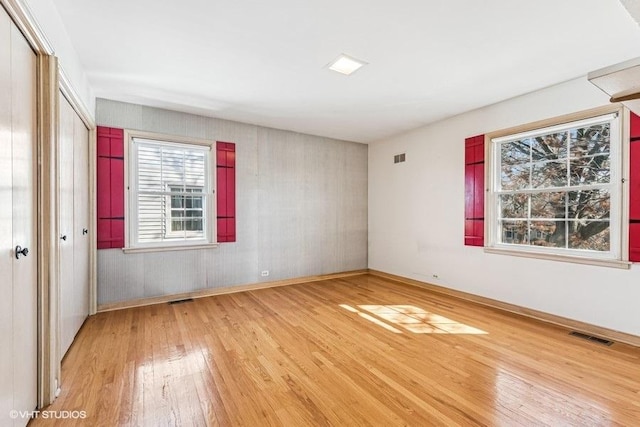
80,309
67,241
74,219
18,277
6,226
23,73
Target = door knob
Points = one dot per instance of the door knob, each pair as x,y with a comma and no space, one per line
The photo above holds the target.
63,237
21,251
84,231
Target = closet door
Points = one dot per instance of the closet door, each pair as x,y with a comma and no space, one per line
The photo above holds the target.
81,245
25,307
74,220
18,270
67,235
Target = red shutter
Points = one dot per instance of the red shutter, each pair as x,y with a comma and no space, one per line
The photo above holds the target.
634,189
226,191
110,187
474,191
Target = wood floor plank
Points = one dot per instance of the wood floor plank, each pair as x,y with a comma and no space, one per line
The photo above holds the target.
361,350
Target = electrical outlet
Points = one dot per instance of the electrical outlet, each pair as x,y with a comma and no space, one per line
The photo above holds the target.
435,276
264,273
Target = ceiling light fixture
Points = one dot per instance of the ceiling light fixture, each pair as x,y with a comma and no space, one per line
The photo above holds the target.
346,64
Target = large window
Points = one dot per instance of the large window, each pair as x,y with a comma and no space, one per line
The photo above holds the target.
170,193
557,189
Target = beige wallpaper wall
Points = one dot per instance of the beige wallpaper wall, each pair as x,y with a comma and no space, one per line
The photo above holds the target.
301,210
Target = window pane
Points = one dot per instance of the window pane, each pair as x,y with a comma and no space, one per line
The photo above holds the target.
590,140
514,177
515,152
514,205
194,168
549,174
589,204
591,170
549,147
173,166
193,202
548,205
514,232
149,168
193,225
590,235
151,225
548,233
160,167
177,202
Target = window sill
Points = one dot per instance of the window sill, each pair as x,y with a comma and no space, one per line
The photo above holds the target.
169,248
613,263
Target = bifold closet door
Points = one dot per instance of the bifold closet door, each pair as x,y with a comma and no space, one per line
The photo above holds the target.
74,220
18,267
81,246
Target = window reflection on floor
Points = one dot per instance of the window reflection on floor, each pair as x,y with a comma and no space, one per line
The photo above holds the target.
412,318
520,392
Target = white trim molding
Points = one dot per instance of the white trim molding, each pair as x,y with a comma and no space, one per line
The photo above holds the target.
24,19
74,99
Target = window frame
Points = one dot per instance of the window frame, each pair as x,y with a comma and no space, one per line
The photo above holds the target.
132,245
618,254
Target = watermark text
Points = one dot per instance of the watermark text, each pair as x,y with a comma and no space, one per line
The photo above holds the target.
52,415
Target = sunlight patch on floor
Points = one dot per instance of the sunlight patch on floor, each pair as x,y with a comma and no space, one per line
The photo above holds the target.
413,319
371,319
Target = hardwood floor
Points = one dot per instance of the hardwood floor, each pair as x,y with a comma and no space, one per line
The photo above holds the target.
356,351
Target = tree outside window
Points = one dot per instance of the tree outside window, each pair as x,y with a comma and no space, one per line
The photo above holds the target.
554,189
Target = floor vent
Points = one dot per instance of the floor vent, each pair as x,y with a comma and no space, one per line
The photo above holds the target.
590,338
180,301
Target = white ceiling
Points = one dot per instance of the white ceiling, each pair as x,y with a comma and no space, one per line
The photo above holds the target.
263,62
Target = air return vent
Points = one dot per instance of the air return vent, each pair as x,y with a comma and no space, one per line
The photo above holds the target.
591,338
180,301
399,158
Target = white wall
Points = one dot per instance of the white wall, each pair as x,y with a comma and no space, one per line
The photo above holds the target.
47,17
416,219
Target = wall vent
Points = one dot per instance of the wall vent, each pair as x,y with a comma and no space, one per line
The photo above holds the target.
180,301
591,338
399,158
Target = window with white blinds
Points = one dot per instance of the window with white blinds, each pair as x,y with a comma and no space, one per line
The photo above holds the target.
170,193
